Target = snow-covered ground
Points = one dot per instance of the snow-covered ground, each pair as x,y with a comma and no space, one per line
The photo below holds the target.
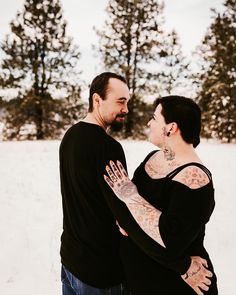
31,215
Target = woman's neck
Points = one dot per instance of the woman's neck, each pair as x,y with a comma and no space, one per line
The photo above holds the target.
180,152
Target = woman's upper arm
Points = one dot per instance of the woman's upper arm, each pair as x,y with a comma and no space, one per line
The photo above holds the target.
188,212
193,177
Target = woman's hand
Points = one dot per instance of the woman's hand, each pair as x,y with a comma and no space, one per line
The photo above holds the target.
119,182
198,276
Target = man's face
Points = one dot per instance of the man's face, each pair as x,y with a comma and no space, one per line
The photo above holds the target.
114,108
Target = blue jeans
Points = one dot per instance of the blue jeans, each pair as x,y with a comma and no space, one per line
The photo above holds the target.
73,286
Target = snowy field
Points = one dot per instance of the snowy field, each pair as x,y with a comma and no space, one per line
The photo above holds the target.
31,215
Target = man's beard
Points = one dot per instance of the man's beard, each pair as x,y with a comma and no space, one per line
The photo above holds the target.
117,125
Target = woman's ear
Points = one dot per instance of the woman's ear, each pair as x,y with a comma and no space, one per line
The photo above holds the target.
172,128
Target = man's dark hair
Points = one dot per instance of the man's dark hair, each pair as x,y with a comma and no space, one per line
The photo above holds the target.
99,85
186,113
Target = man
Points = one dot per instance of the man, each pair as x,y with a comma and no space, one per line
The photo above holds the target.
90,238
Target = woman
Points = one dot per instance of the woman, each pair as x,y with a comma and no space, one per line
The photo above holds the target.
171,197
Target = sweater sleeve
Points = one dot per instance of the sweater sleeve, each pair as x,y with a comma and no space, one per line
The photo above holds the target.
188,212
120,211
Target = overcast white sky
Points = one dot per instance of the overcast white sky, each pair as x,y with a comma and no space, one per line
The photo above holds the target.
190,18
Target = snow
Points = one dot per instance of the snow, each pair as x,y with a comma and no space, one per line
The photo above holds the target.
31,215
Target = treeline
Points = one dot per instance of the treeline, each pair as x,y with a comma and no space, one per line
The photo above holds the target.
40,80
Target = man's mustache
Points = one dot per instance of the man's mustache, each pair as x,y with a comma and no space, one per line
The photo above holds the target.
121,116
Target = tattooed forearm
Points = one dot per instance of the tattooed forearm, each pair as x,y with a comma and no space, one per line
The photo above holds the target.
144,213
146,216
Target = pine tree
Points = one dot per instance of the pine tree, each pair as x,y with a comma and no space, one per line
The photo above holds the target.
174,76
38,69
129,44
217,95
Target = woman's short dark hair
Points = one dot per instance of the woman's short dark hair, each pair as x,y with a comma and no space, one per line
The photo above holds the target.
186,113
99,85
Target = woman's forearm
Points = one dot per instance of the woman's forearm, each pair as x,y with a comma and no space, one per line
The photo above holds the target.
144,213
146,216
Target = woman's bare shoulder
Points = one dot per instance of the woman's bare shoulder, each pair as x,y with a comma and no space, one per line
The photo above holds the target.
193,177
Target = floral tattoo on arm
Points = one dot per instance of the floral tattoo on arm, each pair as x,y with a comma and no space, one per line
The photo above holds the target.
144,213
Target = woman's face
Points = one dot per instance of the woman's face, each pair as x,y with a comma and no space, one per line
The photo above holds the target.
157,124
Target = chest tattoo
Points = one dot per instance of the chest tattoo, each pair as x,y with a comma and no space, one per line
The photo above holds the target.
158,169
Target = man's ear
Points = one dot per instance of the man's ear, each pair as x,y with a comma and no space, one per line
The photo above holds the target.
96,100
